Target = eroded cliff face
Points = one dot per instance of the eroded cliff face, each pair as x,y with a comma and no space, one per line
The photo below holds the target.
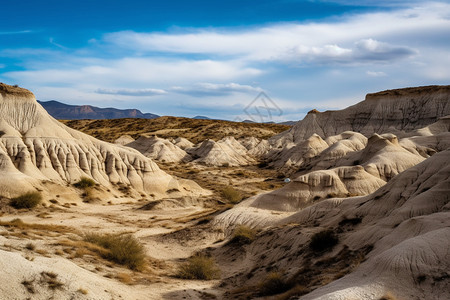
394,111
34,147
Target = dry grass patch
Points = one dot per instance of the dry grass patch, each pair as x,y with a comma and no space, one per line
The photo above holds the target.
51,279
82,291
231,194
81,248
323,241
243,235
388,296
84,183
124,249
30,246
46,229
274,283
199,267
27,200
124,278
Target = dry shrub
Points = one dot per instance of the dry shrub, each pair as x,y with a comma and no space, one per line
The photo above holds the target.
243,235
388,296
27,200
297,290
231,194
51,279
199,267
124,249
273,284
323,240
30,246
124,278
84,183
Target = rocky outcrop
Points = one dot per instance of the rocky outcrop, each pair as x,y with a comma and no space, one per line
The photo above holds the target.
226,152
400,235
318,185
393,111
34,147
182,143
159,149
123,140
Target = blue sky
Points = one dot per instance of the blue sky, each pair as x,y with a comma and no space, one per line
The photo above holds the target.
188,58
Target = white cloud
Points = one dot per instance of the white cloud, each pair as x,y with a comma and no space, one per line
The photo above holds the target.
132,92
214,89
376,73
134,71
364,37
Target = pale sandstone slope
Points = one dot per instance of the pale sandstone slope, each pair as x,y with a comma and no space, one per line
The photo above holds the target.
123,140
407,221
159,149
226,152
182,143
393,111
393,241
35,147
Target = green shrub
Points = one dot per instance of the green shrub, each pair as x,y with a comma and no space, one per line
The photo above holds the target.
231,194
84,183
323,240
199,267
124,249
27,200
273,284
243,235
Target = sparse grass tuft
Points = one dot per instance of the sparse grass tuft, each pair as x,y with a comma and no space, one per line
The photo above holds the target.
84,183
27,200
199,267
30,246
83,291
323,240
124,249
124,278
51,279
273,284
388,296
243,235
231,194
28,284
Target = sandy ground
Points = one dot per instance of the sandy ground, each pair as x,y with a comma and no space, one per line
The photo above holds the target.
149,226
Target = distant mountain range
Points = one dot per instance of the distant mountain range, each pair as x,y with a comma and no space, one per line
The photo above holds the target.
63,111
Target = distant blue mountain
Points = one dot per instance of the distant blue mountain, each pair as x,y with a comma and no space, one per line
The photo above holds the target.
63,111
201,118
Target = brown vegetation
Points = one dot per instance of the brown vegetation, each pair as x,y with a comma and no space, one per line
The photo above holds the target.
199,267
195,130
124,249
27,200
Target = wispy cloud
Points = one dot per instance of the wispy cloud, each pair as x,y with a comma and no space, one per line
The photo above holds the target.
15,32
214,89
130,92
376,74
52,41
376,3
